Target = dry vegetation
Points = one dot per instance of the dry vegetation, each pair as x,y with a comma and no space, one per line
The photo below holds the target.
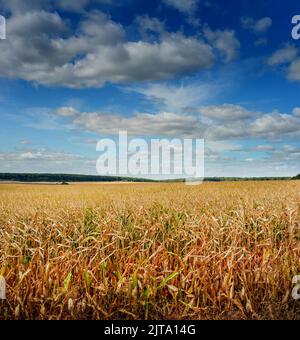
150,251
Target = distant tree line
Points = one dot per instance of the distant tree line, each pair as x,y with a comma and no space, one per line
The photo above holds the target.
65,178
238,179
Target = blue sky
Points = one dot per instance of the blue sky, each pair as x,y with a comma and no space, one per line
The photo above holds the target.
74,72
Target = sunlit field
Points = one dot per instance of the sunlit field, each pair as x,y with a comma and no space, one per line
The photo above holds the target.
150,251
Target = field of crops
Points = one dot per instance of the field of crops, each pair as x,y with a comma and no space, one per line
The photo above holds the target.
150,251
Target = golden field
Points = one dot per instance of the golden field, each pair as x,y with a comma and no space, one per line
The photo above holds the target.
150,251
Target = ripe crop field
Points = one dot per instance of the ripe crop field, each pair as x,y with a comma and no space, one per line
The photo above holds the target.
150,251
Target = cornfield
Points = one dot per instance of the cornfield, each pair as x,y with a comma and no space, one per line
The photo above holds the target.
150,251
